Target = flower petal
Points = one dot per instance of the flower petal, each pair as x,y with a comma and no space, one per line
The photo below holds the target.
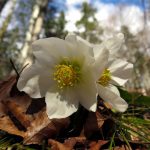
114,44
28,81
71,38
58,106
82,48
87,91
110,95
82,44
97,49
49,51
45,82
118,81
101,59
35,80
32,87
88,99
121,71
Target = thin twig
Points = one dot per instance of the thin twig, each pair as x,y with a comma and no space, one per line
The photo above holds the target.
13,66
23,68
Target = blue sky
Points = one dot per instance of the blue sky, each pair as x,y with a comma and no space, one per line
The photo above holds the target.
132,2
130,15
115,2
129,2
61,4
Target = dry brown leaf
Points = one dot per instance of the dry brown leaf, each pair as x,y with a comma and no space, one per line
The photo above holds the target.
23,100
38,125
67,145
6,87
70,142
41,121
55,145
2,110
122,147
19,110
100,119
7,125
43,128
93,123
97,145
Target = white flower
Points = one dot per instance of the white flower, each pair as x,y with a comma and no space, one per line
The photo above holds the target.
117,72
65,73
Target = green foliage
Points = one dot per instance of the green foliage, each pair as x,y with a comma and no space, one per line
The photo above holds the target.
55,26
88,13
131,126
135,98
88,22
54,21
13,38
12,142
138,128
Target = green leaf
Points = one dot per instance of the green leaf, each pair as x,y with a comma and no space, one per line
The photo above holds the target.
134,98
112,142
137,121
143,100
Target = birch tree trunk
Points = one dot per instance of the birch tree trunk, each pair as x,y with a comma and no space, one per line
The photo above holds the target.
35,25
2,4
5,17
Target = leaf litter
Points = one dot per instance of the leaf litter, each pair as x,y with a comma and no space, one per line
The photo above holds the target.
25,117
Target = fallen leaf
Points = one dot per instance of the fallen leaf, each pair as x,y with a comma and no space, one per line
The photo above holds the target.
6,87
97,145
7,125
15,104
55,145
100,119
67,145
17,110
122,147
38,126
70,142
2,110
93,124
43,128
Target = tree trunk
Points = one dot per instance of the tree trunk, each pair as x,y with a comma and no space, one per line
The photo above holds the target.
33,31
2,4
5,16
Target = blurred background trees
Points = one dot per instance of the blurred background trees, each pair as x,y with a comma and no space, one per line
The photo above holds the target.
23,21
88,23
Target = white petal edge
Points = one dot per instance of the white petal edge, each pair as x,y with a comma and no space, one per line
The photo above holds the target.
114,44
35,80
119,66
28,81
49,51
121,71
111,97
88,99
101,60
87,92
58,106
117,81
80,42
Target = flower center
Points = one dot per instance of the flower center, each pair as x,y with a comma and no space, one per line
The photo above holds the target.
105,78
67,75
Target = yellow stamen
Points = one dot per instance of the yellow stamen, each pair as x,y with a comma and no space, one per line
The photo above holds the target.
66,75
105,78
